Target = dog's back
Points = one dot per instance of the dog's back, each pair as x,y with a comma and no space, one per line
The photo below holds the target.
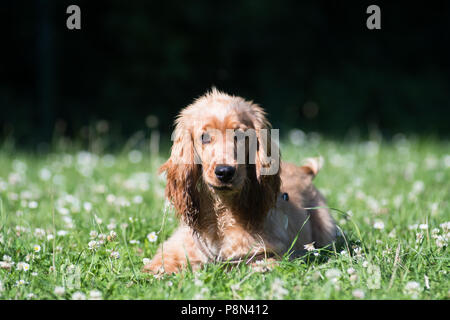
292,215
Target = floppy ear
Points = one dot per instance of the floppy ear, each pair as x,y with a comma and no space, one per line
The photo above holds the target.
183,174
267,160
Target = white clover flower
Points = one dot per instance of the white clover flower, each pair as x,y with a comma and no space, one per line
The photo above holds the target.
146,261
138,199
365,264
59,291
333,275
63,211
357,251
261,266
93,245
169,283
87,206
112,235
134,242
39,232
101,236
351,270
413,289
95,295
36,248
418,187
413,227
374,279
423,226
50,237
278,290
445,226
7,258
62,233
111,226
378,225
152,237
110,198
93,234
32,205
45,174
392,234
21,282
440,241
309,246
398,200
419,237
115,254
122,202
358,293
198,282
78,296
297,137
98,220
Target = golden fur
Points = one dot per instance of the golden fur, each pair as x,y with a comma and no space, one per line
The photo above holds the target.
247,217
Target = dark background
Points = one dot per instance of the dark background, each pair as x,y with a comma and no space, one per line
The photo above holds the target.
311,64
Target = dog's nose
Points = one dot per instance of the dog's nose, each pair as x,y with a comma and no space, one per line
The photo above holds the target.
224,173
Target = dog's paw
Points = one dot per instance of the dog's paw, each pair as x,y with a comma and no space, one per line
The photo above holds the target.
157,266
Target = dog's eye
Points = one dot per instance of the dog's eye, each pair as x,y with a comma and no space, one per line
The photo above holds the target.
206,138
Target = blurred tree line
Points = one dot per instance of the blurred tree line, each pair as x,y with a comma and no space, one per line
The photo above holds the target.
311,64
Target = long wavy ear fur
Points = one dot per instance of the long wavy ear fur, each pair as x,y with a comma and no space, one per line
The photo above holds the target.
183,174
265,188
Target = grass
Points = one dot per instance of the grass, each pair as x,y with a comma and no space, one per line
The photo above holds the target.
391,202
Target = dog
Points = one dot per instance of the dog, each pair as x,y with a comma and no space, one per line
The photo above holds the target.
236,211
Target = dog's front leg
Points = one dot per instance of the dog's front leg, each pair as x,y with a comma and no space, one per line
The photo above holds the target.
238,243
173,254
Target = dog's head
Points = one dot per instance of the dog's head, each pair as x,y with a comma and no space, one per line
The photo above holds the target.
222,145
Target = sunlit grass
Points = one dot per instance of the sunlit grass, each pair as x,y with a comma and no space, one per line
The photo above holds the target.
75,225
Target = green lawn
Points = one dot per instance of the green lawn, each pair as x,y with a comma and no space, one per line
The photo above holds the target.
391,201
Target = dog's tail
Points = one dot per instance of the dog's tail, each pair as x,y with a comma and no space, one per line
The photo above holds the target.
322,223
311,167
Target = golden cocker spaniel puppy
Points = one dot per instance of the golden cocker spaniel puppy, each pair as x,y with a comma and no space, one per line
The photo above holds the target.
236,200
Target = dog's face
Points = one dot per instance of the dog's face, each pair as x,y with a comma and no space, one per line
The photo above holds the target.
217,141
